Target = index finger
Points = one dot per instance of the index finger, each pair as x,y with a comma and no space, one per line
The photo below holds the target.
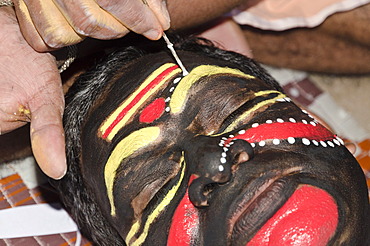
159,8
135,15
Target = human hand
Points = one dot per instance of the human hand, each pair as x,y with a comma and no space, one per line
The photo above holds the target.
48,24
31,91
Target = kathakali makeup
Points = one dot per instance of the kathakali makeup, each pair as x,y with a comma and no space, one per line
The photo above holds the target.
216,157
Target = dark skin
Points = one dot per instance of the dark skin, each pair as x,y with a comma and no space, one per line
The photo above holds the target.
232,203
35,95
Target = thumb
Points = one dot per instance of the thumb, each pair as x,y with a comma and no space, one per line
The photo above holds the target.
47,137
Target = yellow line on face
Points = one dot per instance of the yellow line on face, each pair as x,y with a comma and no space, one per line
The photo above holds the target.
262,93
108,122
156,212
179,96
234,124
124,149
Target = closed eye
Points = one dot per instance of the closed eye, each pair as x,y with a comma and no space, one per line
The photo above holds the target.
160,201
149,180
161,194
244,112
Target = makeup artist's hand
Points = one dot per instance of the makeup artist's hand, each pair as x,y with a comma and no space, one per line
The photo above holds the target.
48,24
31,91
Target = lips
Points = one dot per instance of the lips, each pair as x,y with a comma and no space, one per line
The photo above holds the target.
309,216
254,208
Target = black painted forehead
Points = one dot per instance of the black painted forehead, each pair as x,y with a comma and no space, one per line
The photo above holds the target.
155,81
136,70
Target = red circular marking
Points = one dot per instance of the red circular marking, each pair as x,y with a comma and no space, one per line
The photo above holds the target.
140,95
309,217
153,111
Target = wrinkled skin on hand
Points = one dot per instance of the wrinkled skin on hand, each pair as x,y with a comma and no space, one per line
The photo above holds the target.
31,92
48,24
217,157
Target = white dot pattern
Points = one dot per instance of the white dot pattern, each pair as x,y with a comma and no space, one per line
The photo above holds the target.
226,142
172,89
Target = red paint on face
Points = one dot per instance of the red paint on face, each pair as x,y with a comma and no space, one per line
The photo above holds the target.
185,223
285,130
153,111
308,218
140,95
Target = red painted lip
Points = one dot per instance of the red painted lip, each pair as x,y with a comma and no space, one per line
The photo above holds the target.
254,207
307,216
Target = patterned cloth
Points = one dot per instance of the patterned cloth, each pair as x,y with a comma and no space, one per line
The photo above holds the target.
14,193
363,157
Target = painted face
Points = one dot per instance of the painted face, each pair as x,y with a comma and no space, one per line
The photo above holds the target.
218,157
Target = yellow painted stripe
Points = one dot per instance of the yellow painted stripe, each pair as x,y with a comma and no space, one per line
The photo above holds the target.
262,93
156,212
179,96
124,149
133,110
235,123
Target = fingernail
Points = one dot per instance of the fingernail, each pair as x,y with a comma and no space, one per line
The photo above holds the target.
166,15
153,34
61,176
56,172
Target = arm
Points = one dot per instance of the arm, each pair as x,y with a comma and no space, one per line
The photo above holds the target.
191,13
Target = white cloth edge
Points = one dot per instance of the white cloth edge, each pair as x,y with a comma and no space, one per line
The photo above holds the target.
247,18
35,220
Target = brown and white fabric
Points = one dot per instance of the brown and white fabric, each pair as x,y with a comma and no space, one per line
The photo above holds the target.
281,15
32,216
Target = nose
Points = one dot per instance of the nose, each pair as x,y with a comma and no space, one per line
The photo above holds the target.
210,161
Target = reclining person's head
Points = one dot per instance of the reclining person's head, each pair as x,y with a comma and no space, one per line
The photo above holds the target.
220,156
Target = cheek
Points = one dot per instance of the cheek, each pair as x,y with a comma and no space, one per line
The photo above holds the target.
185,224
309,217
